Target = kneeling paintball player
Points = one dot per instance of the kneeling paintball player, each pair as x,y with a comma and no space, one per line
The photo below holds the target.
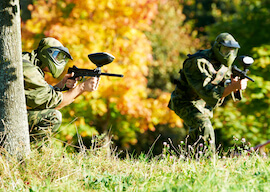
42,99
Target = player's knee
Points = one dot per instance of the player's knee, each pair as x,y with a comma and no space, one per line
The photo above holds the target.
56,120
58,116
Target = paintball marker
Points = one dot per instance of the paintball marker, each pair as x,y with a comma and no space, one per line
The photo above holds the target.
99,59
246,62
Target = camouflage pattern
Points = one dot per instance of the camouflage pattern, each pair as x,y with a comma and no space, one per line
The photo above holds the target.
196,116
39,94
199,90
41,98
44,121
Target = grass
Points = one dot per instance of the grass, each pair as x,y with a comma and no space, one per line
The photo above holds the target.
54,168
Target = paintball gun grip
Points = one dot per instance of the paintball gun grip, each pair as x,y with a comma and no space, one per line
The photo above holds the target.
70,70
73,69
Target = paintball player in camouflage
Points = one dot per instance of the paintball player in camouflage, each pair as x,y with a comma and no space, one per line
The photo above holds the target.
202,87
42,99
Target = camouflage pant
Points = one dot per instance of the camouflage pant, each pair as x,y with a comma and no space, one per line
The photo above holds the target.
43,121
197,119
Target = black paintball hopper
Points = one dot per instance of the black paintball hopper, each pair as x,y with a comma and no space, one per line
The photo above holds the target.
101,58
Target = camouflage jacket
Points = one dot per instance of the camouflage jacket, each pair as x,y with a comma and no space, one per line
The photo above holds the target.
39,94
201,79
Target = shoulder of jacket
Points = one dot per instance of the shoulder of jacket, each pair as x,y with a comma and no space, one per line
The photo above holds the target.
196,59
198,56
26,55
26,58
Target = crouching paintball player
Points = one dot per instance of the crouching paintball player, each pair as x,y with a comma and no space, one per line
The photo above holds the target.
42,99
202,86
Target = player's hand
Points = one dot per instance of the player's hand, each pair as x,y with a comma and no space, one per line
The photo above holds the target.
70,83
91,84
239,83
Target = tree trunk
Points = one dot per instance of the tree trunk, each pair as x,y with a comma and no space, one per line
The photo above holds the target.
13,115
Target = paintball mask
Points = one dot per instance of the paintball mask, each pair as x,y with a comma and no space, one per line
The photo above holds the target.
225,49
53,55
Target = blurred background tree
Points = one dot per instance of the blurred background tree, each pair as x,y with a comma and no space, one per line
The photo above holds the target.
150,40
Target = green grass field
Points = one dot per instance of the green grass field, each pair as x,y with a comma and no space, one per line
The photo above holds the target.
53,168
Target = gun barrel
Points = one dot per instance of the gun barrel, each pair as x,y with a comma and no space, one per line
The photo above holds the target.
249,78
111,74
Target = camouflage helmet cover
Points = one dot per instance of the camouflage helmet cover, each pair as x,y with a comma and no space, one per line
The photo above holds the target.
225,49
45,51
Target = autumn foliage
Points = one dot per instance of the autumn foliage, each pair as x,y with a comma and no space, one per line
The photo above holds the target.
121,105
150,40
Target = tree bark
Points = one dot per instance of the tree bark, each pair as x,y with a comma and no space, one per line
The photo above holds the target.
13,115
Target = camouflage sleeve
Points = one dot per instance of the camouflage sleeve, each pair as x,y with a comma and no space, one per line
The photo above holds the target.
199,74
39,94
